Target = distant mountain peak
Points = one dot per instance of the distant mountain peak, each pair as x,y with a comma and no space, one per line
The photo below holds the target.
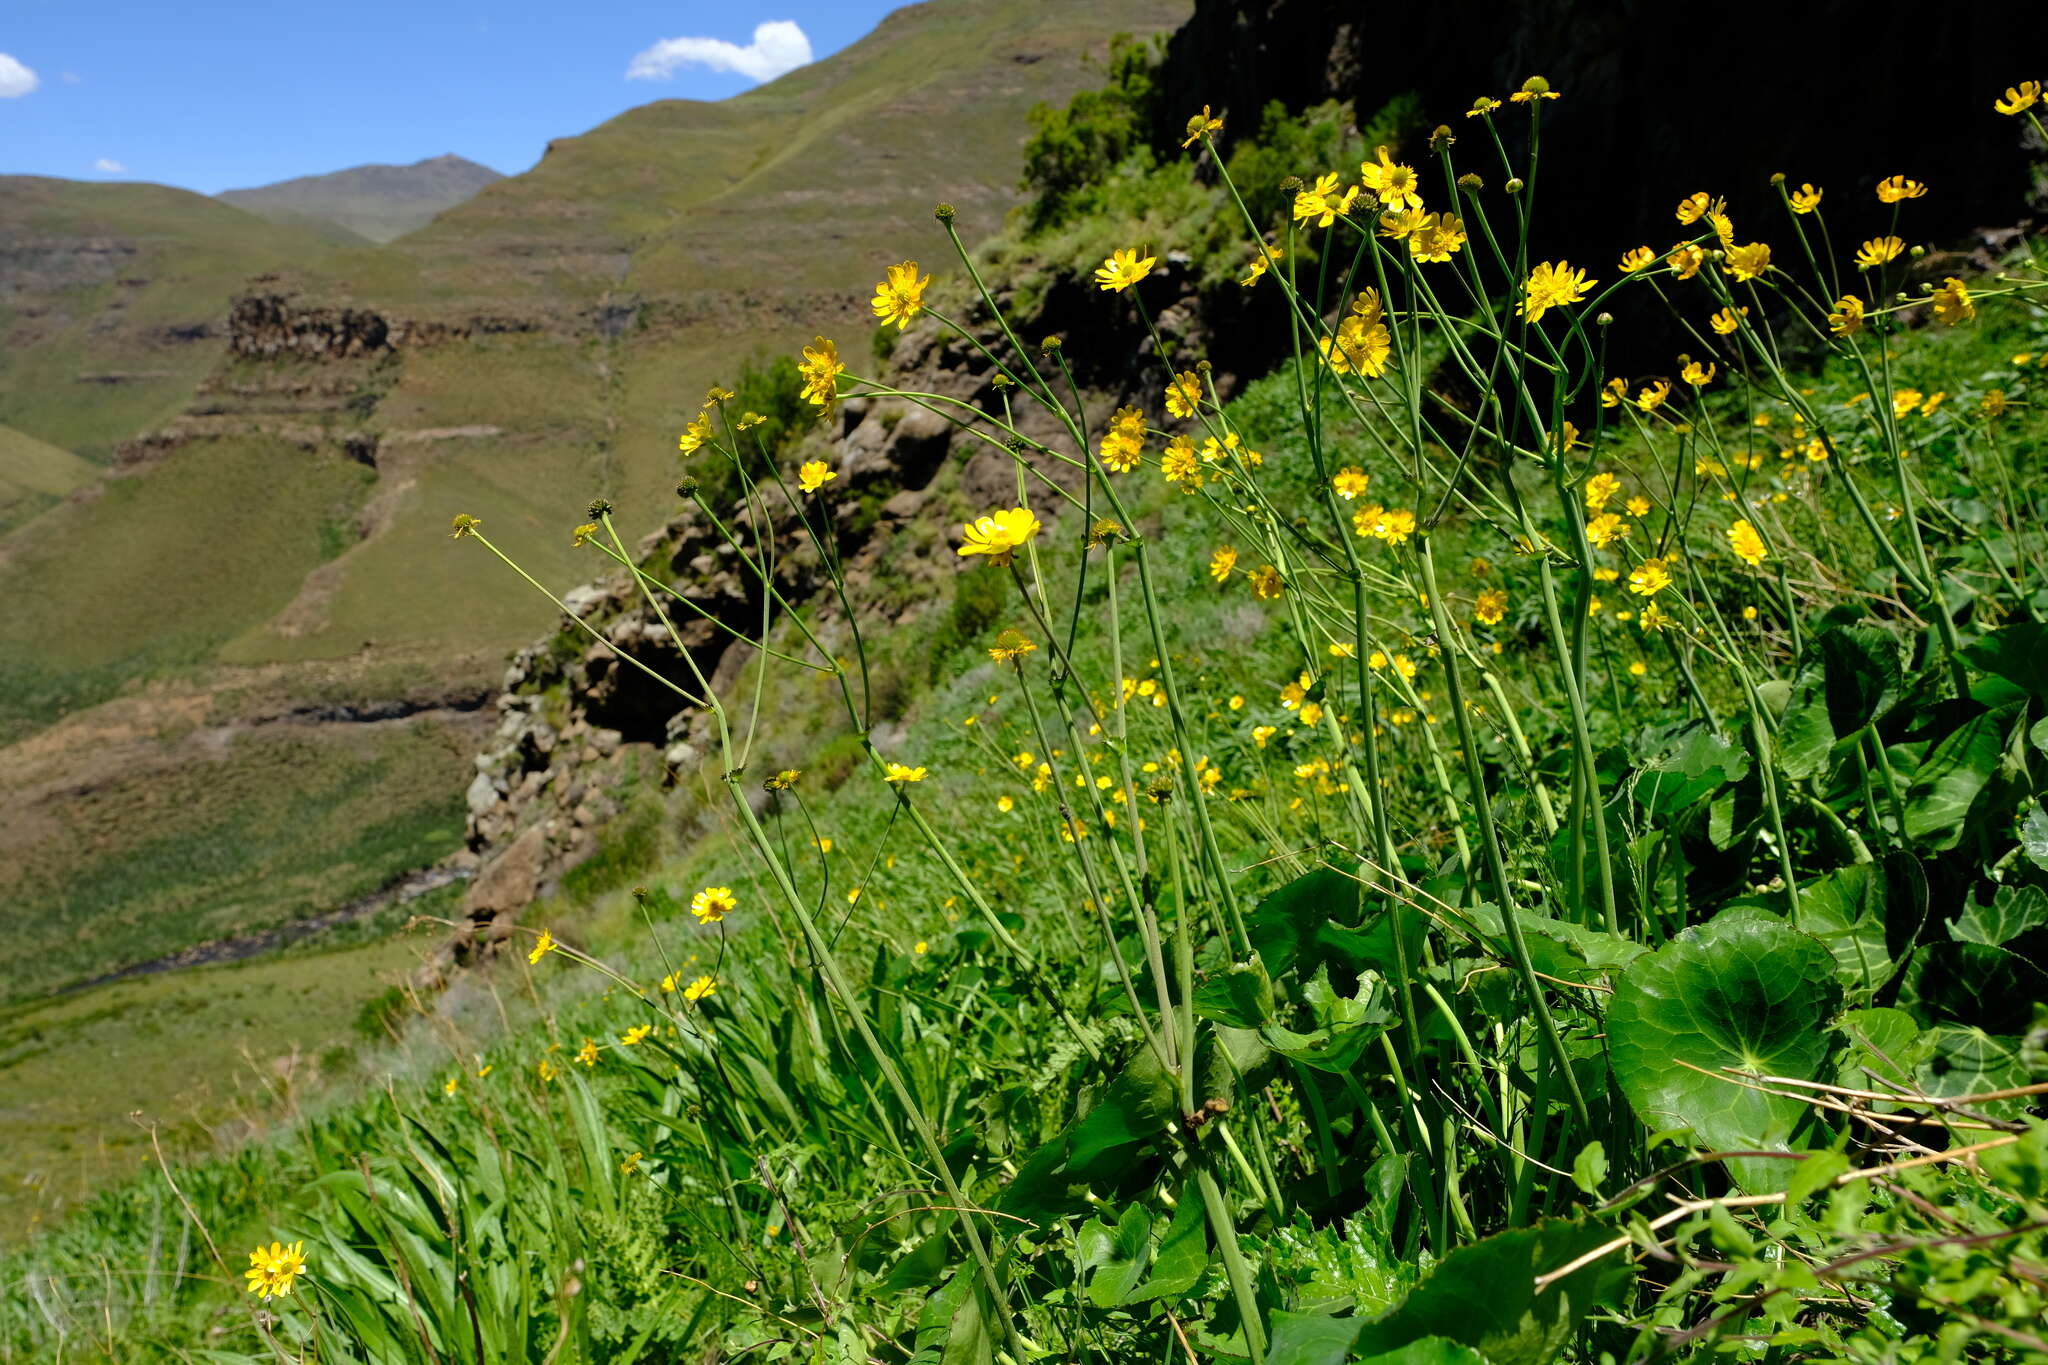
376,201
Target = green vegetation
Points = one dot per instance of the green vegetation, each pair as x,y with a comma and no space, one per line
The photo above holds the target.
375,203
1375,874
34,476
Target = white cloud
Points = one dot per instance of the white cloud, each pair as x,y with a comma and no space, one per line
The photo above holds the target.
778,46
108,165
17,80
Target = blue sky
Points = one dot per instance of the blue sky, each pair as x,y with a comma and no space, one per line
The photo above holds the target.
220,94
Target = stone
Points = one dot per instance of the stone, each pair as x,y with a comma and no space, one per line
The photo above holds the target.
482,794
507,883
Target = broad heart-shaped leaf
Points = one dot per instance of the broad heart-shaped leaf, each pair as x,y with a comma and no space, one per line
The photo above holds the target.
1846,911
1134,1109
1974,985
1116,1254
2016,653
1483,1295
1312,1339
1969,1061
1320,918
1183,1251
1240,996
1688,767
2034,836
1741,991
1955,771
2012,912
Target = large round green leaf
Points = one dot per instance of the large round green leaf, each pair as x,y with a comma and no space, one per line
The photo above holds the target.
1747,993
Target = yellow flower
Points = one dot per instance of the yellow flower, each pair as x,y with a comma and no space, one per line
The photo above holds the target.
1179,463
1391,524
900,295
1891,191
1600,490
1437,237
1727,320
587,1054
820,367
784,780
1687,260
1261,263
695,435
815,474
716,394
1365,306
1223,562
1847,317
1747,262
1612,392
1000,534
1697,375
1184,394
1267,585
1318,201
1878,251
542,946
1805,199
700,988
1992,404
1605,529
1350,482
902,775
636,1035
1952,302
1534,89
1653,619
1010,646
1747,544
1637,258
1124,442
1005,804
1653,395
273,1269
1650,578
1696,206
1123,269
580,537
1552,286
1490,606
1360,346
1482,107
630,1164
1200,126
713,904
748,421
1396,186
2019,98
1638,506
546,1070
453,1082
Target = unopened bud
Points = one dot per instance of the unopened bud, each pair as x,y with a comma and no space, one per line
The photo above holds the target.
1604,320
943,212
1513,186
687,489
600,508
1777,177
1471,183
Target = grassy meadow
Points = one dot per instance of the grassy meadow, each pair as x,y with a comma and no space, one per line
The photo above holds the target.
1452,853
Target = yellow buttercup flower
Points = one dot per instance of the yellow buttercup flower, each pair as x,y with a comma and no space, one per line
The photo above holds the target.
1747,544
1747,262
1698,375
1687,260
695,435
1223,562
1600,490
542,946
713,904
1878,251
900,295
1650,578
1653,395
1696,206
636,1035
1266,583
1727,320
1350,482
1605,529
1805,199
1847,317
1490,606
1123,269
820,367
1261,263
1892,190
587,1054
748,421
999,535
1124,442
1365,306
1184,394
1638,506
275,1268
1612,392
814,474
699,989
900,774
1437,237
784,780
1952,302
1179,463
1010,646
1396,186
1318,201
1482,107
1200,126
1359,347
1637,258
2019,98
1552,286
1534,89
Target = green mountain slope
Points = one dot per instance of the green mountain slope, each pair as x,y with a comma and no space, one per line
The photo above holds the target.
376,203
33,475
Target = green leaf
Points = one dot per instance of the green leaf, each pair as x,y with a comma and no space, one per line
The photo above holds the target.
1846,911
1311,1339
1590,1169
1885,1045
2012,912
2017,653
1812,1175
1974,985
1948,782
1969,1061
1183,1252
2034,836
1483,1295
1241,996
1750,994
1688,768
1117,1255
1429,1351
